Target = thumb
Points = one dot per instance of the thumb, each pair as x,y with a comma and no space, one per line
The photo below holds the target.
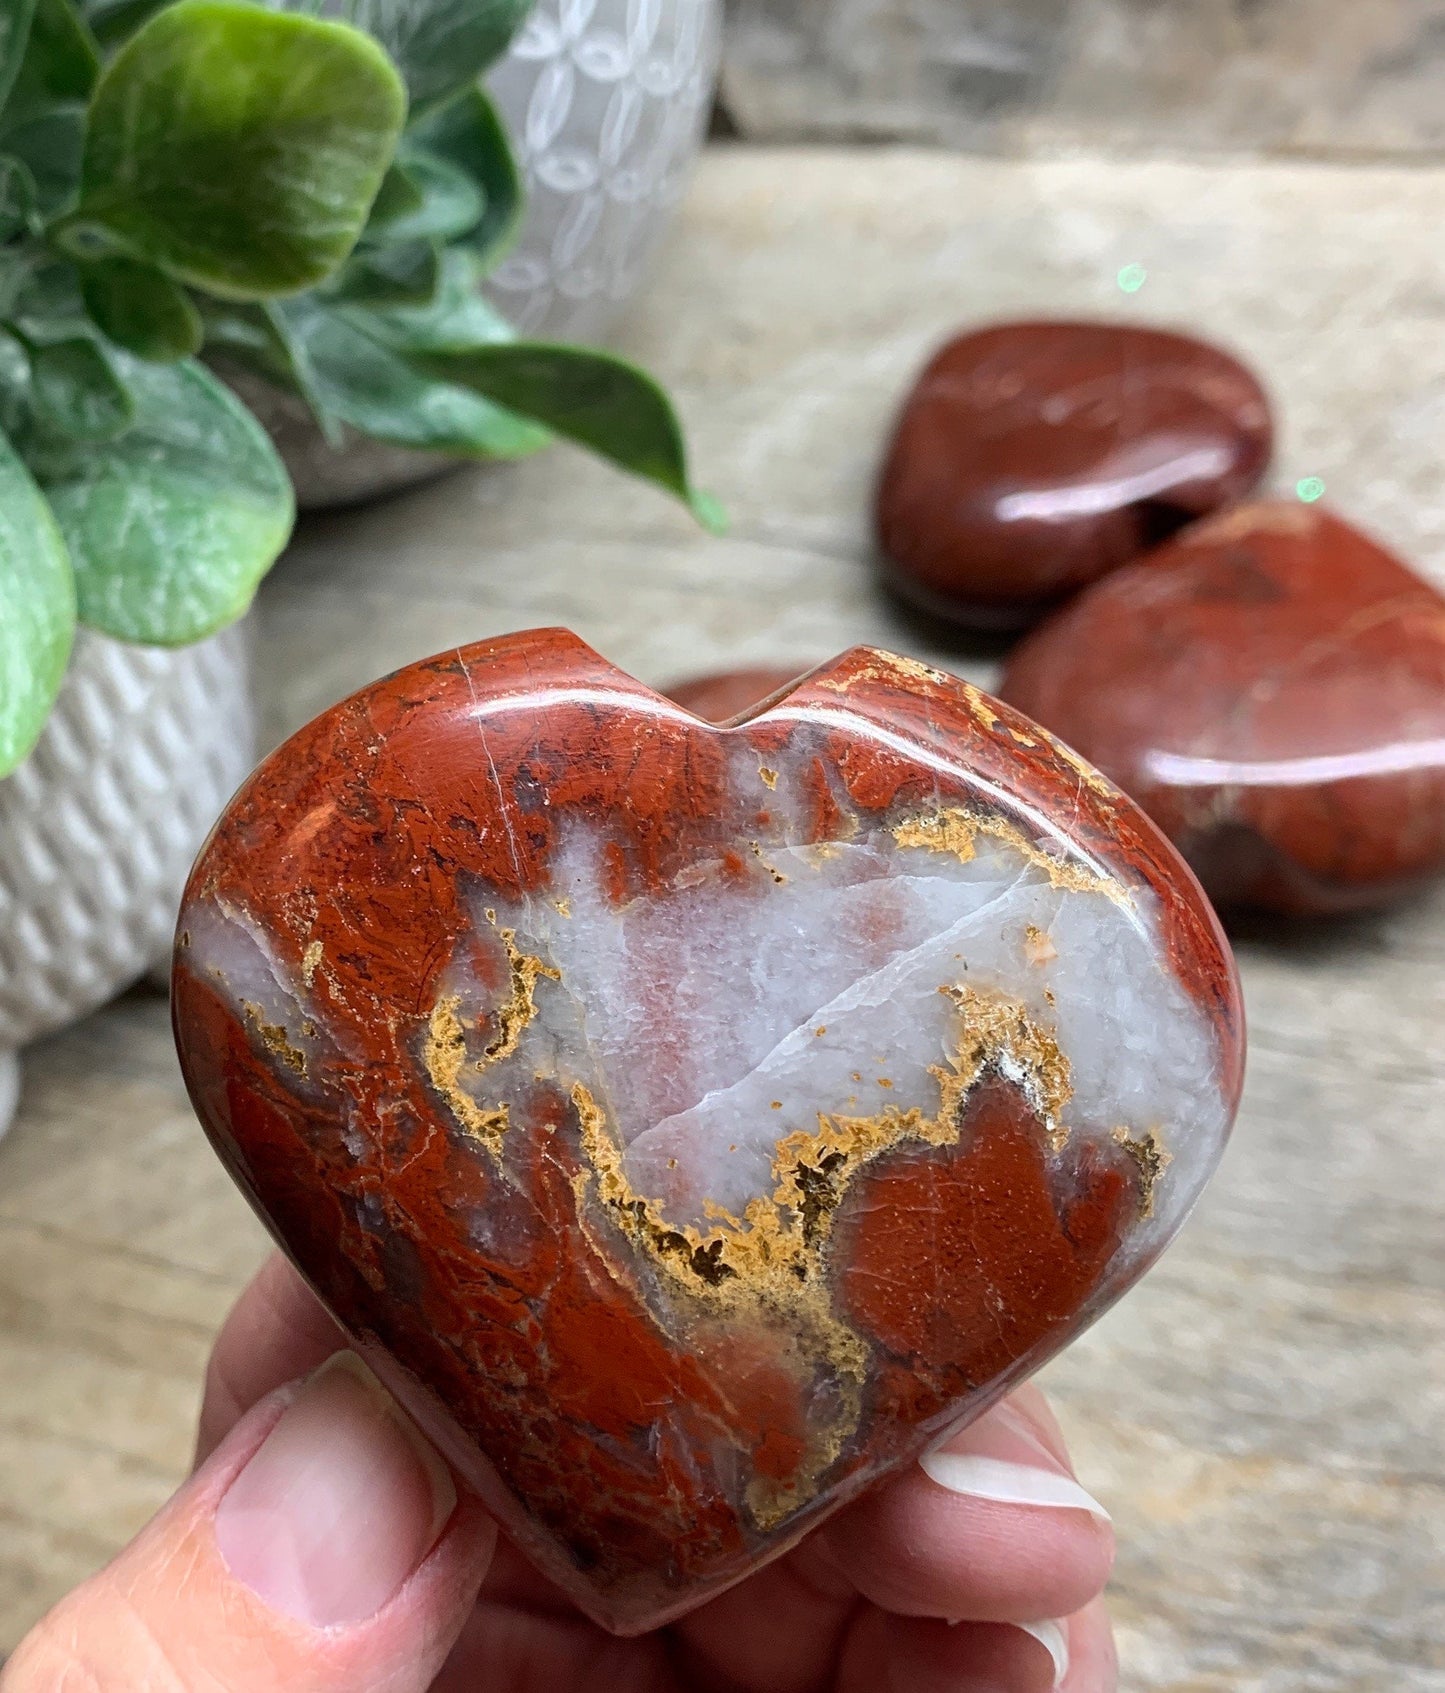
321,1549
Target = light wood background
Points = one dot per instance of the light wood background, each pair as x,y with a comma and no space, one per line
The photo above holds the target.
1264,1414
1346,79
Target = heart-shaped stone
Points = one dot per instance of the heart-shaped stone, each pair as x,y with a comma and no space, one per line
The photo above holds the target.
694,1124
1031,458
1271,688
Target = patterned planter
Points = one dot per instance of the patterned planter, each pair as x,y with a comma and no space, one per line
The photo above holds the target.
100,824
606,102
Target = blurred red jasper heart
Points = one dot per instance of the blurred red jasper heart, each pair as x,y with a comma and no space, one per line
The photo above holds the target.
695,1124
1032,458
721,694
1271,688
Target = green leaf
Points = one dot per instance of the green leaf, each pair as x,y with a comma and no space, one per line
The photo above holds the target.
258,337
439,45
460,315
171,526
593,398
244,330
50,147
237,149
399,196
61,63
404,276
15,19
37,610
114,21
48,303
359,376
293,358
468,131
17,197
14,385
75,391
141,309
427,199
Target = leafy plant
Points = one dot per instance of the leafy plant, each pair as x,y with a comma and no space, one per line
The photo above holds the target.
314,198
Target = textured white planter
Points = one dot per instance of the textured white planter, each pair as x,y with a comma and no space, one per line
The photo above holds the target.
606,102
100,824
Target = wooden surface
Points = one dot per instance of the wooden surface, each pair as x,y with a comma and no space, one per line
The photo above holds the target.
1319,78
1264,1414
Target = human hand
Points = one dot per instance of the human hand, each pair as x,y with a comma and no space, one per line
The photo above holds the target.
321,1547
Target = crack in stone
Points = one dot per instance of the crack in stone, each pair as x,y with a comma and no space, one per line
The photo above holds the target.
866,987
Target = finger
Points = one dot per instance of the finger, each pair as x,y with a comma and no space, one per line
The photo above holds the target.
892,1654
1092,1665
1080,1650
885,1653
1031,1402
322,1549
780,1629
992,1528
277,1331
512,1646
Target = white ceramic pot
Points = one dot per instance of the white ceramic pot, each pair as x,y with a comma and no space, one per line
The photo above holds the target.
606,102
325,476
99,826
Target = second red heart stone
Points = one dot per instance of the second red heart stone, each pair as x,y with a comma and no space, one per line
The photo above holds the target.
1031,458
721,694
695,1124
1271,688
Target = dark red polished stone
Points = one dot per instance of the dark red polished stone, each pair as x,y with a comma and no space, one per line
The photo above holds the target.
1270,686
695,1124
724,694
1032,458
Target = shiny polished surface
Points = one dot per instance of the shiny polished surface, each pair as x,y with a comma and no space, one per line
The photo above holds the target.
694,1124
723,694
1032,458
1271,688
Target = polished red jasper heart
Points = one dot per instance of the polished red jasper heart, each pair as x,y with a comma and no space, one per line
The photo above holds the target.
1032,458
1271,688
693,1124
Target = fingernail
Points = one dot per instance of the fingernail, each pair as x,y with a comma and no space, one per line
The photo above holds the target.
1001,1458
338,1505
1054,1638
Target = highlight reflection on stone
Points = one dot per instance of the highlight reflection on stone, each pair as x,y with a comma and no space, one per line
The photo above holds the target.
1031,458
1271,688
695,1124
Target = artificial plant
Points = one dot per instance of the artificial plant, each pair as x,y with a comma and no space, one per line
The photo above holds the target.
315,198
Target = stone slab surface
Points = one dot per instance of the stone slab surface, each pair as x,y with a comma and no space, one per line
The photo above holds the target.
1263,1415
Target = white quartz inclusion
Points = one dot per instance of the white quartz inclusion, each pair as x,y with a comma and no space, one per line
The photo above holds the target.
714,1018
